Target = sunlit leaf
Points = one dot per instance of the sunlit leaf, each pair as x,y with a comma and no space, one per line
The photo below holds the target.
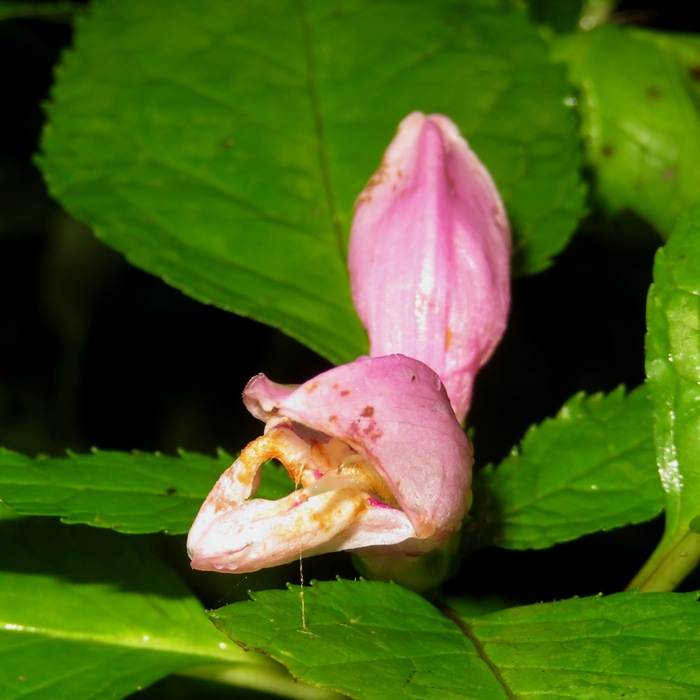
86,613
221,146
642,132
673,371
377,640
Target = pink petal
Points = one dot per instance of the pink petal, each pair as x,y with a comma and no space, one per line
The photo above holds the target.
429,255
260,533
393,411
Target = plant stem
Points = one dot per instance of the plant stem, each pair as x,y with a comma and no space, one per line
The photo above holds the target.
669,564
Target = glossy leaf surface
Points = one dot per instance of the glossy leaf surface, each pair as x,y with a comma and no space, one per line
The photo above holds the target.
192,139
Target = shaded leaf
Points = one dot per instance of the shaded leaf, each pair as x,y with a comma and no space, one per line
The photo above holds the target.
557,16
132,492
590,468
62,11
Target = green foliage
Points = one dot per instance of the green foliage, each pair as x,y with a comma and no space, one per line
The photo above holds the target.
673,370
624,645
134,493
595,648
557,16
86,613
60,11
591,468
367,630
642,133
192,139
570,15
221,146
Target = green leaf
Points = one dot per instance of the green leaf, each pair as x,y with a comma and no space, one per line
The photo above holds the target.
557,16
222,146
591,468
673,372
625,645
365,639
377,640
61,11
673,368
87,613
570,16
641,122
129,492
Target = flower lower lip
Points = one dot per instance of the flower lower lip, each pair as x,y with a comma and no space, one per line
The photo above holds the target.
207,564
201,563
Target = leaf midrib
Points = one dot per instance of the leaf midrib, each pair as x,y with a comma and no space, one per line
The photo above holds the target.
307,33
154,644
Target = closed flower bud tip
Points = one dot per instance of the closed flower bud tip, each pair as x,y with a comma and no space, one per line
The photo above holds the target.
429,255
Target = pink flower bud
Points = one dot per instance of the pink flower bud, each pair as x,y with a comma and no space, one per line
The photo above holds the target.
379,460
429,255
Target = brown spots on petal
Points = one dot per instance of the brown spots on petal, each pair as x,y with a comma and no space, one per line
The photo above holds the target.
381,177
377,179
364,431
342,392
310,387
372,432
448,338
368,412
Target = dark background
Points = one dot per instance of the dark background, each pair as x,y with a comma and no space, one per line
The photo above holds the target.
94,352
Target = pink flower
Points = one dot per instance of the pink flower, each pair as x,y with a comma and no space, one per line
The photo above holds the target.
378,457
429,255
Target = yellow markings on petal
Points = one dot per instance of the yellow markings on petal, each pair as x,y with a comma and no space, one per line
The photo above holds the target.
364,477
334,486
281,444
306,461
